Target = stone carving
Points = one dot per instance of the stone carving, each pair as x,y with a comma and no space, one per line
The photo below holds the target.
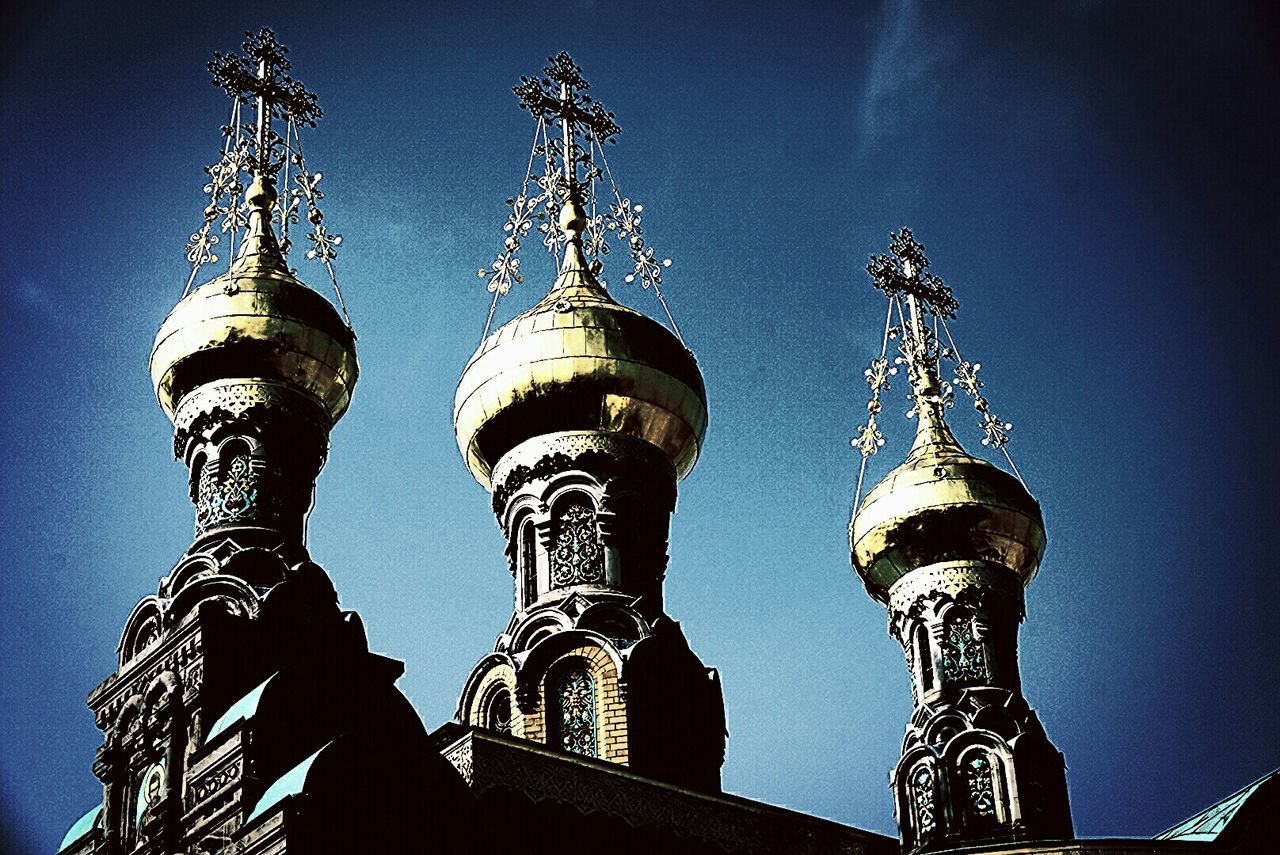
211,783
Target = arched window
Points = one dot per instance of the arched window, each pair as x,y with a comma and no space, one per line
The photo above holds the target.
575,694
527,559
925,657
963,659
924,802
197,471
576,554
497,712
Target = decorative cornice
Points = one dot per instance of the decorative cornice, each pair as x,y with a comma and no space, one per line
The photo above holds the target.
951,581
234,397
604,454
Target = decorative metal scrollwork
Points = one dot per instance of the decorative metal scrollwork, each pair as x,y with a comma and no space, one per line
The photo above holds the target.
905,271
229,498
980,783
904,277
255,149
576,705
576,555
922,791
963,657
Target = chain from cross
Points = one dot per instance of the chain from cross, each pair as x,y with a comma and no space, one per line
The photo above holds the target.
262,74
906,272
561,95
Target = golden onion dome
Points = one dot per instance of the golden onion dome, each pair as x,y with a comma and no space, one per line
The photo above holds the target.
943,504
579,360
256,321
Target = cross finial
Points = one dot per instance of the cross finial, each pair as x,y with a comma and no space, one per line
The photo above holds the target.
561,94
262,73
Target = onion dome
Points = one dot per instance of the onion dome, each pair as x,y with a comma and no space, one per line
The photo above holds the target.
579,360
256,321
943,504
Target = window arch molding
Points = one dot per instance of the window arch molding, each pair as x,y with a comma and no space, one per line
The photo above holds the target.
235,446
540,624
572,482
145,624
1004,788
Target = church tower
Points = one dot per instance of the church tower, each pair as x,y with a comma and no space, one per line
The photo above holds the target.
246,701
947,542
580,415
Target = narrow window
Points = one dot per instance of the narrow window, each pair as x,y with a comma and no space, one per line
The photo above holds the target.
925,655
576,696
528,562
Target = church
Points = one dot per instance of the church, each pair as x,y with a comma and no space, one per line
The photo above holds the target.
248,715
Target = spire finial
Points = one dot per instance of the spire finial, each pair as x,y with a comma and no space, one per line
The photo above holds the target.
904,277
569,192
262,73
905,274
561,95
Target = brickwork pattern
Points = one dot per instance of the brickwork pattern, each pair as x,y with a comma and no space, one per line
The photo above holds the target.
611,707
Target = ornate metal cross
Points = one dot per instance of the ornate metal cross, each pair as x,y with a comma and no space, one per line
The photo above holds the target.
906,272
262,73
561,94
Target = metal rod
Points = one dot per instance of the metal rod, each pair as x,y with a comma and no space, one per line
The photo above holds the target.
264,118
570,166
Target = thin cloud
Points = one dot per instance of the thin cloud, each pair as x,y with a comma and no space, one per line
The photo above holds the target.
903,78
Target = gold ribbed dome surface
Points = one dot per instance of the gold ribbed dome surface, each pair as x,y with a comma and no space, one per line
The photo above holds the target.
943,504
578,360
256,321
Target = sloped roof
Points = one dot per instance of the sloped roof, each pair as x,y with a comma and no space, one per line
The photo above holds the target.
85,824
1212,822
241,709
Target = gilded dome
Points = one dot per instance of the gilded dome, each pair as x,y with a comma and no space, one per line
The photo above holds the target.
579,360
943,504
256,321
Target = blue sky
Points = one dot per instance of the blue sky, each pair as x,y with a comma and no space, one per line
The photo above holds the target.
1095,180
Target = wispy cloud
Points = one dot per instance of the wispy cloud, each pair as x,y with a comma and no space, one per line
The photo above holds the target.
908,61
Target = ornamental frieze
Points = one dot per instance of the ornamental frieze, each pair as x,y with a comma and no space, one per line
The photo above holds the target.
110,697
